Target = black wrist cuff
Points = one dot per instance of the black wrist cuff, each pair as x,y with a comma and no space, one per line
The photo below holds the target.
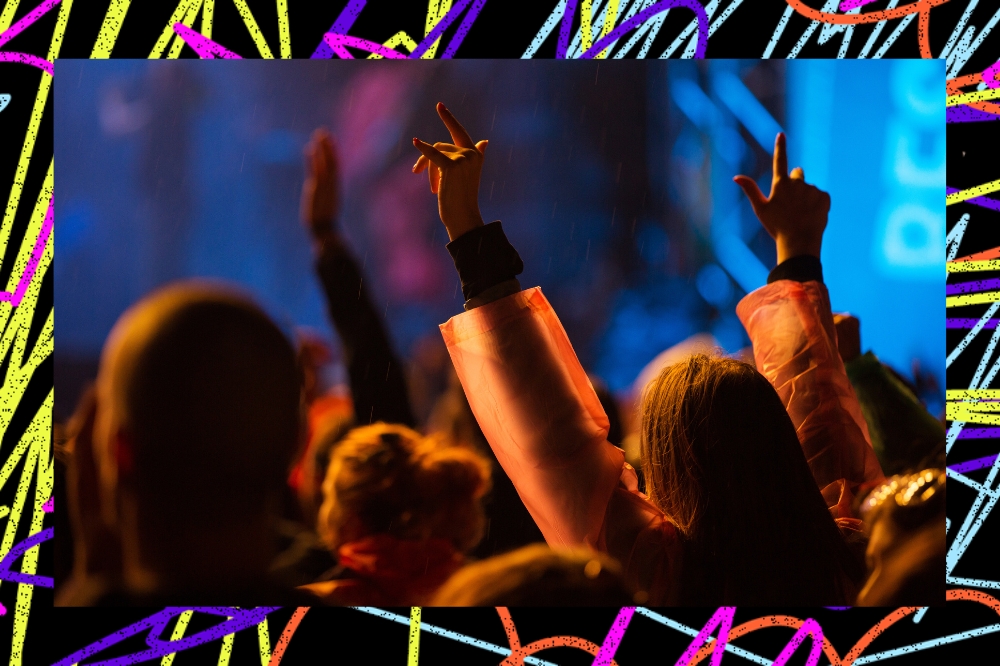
484,258
803,268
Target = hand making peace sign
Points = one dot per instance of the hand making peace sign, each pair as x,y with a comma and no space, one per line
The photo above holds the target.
796,212
453,170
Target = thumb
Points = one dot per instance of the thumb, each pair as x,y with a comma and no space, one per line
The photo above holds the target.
481,146
749,187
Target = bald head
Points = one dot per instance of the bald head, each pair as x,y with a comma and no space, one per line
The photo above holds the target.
198,418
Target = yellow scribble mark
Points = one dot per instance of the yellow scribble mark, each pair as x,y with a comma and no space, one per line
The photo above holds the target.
973,266
251,24
180,12
968,98
284,36
264,641
972,299
176,635
977,191
110,28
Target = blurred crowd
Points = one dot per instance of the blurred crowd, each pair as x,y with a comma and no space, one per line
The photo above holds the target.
215,461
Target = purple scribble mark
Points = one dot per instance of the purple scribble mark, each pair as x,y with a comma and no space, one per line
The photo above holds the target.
47,507
338,44
614,637
26,59
969,323
723,618
979,433
29,18
973,465
838,608
203,46
157,623
36,255
976,285
809,627
336,39
345,20
985,202
967,114
443,25
990,75
848,5
16,552
638,19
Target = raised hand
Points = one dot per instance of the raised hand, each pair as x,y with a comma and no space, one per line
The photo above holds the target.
321,190
453,170
796,212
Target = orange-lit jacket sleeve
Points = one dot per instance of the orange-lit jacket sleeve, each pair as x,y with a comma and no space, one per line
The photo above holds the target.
795,346
539,412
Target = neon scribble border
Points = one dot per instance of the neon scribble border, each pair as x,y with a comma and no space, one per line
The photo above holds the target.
598,32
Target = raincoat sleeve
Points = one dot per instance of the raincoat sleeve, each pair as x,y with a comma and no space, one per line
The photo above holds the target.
539,412
795,346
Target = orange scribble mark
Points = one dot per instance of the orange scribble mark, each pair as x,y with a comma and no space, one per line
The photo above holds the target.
923,7
871,17
518,652
863,642
954,87
286,635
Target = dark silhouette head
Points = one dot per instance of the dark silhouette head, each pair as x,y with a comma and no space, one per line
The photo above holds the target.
723,462
198,418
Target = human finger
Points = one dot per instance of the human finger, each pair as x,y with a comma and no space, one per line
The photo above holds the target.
481,146
430,152
420,164
458,133
797,173
780,157
750,188
434,178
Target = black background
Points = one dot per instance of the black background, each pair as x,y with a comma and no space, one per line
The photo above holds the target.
502,30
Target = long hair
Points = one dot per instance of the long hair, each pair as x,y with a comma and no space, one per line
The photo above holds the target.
723,462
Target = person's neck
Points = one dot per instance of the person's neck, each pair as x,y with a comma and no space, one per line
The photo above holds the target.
230,558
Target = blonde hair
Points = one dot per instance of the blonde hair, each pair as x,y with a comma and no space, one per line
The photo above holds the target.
393,480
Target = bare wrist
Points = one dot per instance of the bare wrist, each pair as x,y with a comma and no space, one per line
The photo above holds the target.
463,225
788,248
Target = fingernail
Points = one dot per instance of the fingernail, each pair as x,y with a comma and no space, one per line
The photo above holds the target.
414,141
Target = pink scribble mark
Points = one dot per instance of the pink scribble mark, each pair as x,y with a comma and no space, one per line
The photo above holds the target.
848,5
203,46
812,628
29,18
723,619
47,507
990,75
36,255
26,59
338,44
614,637
3,610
